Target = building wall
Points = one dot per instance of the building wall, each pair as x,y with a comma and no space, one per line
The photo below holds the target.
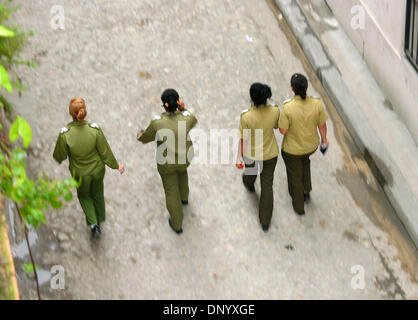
381,43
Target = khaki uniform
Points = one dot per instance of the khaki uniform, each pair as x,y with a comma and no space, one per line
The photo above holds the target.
88,151
173,156
300,117
265,118
260,157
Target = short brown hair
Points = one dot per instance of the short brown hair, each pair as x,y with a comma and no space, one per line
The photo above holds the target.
78,109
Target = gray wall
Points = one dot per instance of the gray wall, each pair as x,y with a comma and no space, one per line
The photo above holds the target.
382,44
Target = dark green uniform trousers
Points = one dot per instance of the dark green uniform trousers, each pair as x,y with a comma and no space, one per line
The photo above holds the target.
176,187
298,169
266,170
91,196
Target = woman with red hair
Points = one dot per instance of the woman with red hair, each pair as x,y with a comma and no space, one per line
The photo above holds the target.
88,152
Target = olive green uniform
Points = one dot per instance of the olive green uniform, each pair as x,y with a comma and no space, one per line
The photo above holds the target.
88,151
261,157
173,157
300,117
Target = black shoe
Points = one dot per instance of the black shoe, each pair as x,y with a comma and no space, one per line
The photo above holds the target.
301,213
250,189
265,227
176,231
307,197
95,231
185,202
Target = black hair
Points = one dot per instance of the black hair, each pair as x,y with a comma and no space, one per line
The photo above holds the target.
299,84
260,93
170,99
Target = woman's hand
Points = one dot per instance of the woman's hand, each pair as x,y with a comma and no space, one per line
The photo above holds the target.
325,142
121,168
140,132
240,163
181,105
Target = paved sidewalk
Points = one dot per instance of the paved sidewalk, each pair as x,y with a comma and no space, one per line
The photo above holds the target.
383,139
119,56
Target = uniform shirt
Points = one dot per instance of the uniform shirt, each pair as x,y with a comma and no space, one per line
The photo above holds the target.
171,129
265,118
86,147
301,117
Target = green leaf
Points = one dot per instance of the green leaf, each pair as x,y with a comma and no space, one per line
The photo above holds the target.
21,129
42,218
29,267
14,131
32,64
4,79
4,32
68,196
56,204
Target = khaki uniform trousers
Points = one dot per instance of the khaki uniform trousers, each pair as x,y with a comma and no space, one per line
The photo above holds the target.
176,187
266,170
90,193
298,169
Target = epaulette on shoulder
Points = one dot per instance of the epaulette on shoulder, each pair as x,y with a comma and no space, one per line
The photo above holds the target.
287,101
158,117
64,130
186,113
94,125
244,112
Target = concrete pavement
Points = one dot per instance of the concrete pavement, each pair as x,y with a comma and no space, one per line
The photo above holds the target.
119,56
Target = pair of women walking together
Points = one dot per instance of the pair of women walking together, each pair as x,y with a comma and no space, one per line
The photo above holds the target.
299,122
89,152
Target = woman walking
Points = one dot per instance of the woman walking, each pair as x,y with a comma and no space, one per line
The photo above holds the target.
300,118
174,153
258,148
88,152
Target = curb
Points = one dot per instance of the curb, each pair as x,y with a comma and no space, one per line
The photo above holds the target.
378,156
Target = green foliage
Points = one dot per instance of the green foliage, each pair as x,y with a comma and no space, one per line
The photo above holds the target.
21,129
33,197
4,79
12,42
6,33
